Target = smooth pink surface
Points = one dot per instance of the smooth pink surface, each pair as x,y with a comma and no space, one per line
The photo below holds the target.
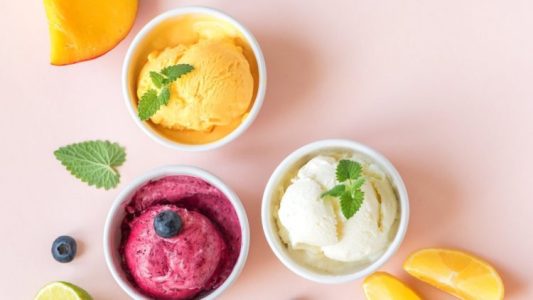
443,88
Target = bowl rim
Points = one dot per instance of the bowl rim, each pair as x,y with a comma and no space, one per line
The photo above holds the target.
160,172
268,222
261,68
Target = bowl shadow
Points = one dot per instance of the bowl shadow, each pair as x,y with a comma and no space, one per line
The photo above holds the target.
292,70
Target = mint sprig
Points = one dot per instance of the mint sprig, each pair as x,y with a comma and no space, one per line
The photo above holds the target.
348,191
151,101
93,162
174,72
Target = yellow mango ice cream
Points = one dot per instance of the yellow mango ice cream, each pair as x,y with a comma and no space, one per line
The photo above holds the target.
211,100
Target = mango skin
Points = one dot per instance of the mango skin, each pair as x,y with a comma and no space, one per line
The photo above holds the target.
81,30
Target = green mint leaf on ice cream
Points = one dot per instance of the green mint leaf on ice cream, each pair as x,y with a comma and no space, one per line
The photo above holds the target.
336,191
348,191
149,104
348,169
158,79
151,101
164,96
174,72
349,205
93,162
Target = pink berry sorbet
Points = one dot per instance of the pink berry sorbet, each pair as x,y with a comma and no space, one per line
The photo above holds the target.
194,262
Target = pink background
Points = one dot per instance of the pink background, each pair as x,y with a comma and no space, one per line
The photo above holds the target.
443,88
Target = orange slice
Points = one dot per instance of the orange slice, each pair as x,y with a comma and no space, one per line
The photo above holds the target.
85,29
384,286
458,273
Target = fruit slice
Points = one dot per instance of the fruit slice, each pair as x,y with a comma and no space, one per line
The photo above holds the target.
384,286
457,273
82,29
61,290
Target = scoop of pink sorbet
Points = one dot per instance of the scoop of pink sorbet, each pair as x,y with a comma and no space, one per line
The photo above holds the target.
173,268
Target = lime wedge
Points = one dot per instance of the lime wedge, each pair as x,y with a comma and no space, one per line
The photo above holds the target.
61,290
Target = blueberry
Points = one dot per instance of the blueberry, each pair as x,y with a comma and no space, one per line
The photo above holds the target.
64,249
167,224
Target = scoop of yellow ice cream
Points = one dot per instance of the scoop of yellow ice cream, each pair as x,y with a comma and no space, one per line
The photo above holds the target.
216,92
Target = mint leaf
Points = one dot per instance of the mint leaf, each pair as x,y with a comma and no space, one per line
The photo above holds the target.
350,205
164,96
93,162
336,191
150,101
158,79
174,72
348,169
347,205
358,183
148,105
350,195
358,197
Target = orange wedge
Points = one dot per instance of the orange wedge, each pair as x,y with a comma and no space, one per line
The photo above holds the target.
384,286
458,273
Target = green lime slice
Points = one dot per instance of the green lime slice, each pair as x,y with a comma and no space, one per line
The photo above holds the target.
61,290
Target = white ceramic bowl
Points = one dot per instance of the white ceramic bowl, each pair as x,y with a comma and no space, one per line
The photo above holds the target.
136,48
272,187
112,230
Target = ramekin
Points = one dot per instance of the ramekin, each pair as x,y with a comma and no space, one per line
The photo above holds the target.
112,229
130,97
272,187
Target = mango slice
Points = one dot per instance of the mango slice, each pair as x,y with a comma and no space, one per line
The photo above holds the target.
84,29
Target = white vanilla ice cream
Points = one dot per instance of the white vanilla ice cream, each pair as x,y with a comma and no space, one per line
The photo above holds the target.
316,232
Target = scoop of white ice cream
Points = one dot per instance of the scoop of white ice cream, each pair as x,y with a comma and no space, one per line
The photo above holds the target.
308,219
366,233
320,169
316,224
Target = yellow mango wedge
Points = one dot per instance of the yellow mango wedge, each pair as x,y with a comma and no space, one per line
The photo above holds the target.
84,29
384,286
460,274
